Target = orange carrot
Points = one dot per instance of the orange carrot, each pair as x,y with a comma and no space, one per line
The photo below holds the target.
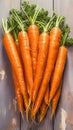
25,52
18,94
12,53
43,111
46,98
43,51
33,34
55,102
58,72
55,35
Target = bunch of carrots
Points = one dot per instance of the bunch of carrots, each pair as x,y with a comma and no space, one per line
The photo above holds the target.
36,46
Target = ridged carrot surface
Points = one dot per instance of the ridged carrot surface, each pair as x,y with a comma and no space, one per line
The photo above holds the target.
26,57
33,34
58,72
12,53
42,57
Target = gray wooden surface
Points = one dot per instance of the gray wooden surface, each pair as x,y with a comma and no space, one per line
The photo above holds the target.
9,116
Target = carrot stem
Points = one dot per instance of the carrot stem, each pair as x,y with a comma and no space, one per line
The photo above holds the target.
5,26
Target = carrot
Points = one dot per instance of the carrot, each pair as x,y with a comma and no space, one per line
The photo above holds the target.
18,94
55,102
33,34
60,64
41,62
12,53
25,51
58,72
46,98
43,111
55,35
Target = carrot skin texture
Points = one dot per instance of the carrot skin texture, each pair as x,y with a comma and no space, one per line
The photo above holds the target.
42,57
25,52
55,35
58,71
55,102
18,94
46,98
12,53
43,111
33,34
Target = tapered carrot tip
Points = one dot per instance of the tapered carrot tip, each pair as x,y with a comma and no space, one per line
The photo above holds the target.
41,118
22,114
51,116
29,102
27,110
49,102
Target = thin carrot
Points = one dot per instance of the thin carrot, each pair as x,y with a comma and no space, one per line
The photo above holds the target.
60,63
33,34
12,53
46,98
55,35
42,57
55,102
43,111
25,51
58,72
18,94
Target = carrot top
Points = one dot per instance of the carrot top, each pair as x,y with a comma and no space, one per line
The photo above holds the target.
5,26
65,39
18,19
31,18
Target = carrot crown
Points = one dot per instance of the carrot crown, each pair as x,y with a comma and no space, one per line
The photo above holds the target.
32,20
18,20
59,21
5,27
11,23
50,23
65,39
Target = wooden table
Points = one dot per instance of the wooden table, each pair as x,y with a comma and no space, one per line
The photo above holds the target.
10,118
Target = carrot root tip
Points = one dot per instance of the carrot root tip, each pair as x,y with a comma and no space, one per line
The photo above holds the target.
22,114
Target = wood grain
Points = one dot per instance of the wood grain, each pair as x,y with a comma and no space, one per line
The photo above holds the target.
65,8
9,115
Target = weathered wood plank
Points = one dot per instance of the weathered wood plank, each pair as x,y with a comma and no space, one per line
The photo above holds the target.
65,8
64,115
9,115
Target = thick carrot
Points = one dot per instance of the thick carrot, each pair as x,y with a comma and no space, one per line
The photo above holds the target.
18,94
58,72
42,55
25,52
12,53
55,35
55,102
33,34
46,98
43,111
